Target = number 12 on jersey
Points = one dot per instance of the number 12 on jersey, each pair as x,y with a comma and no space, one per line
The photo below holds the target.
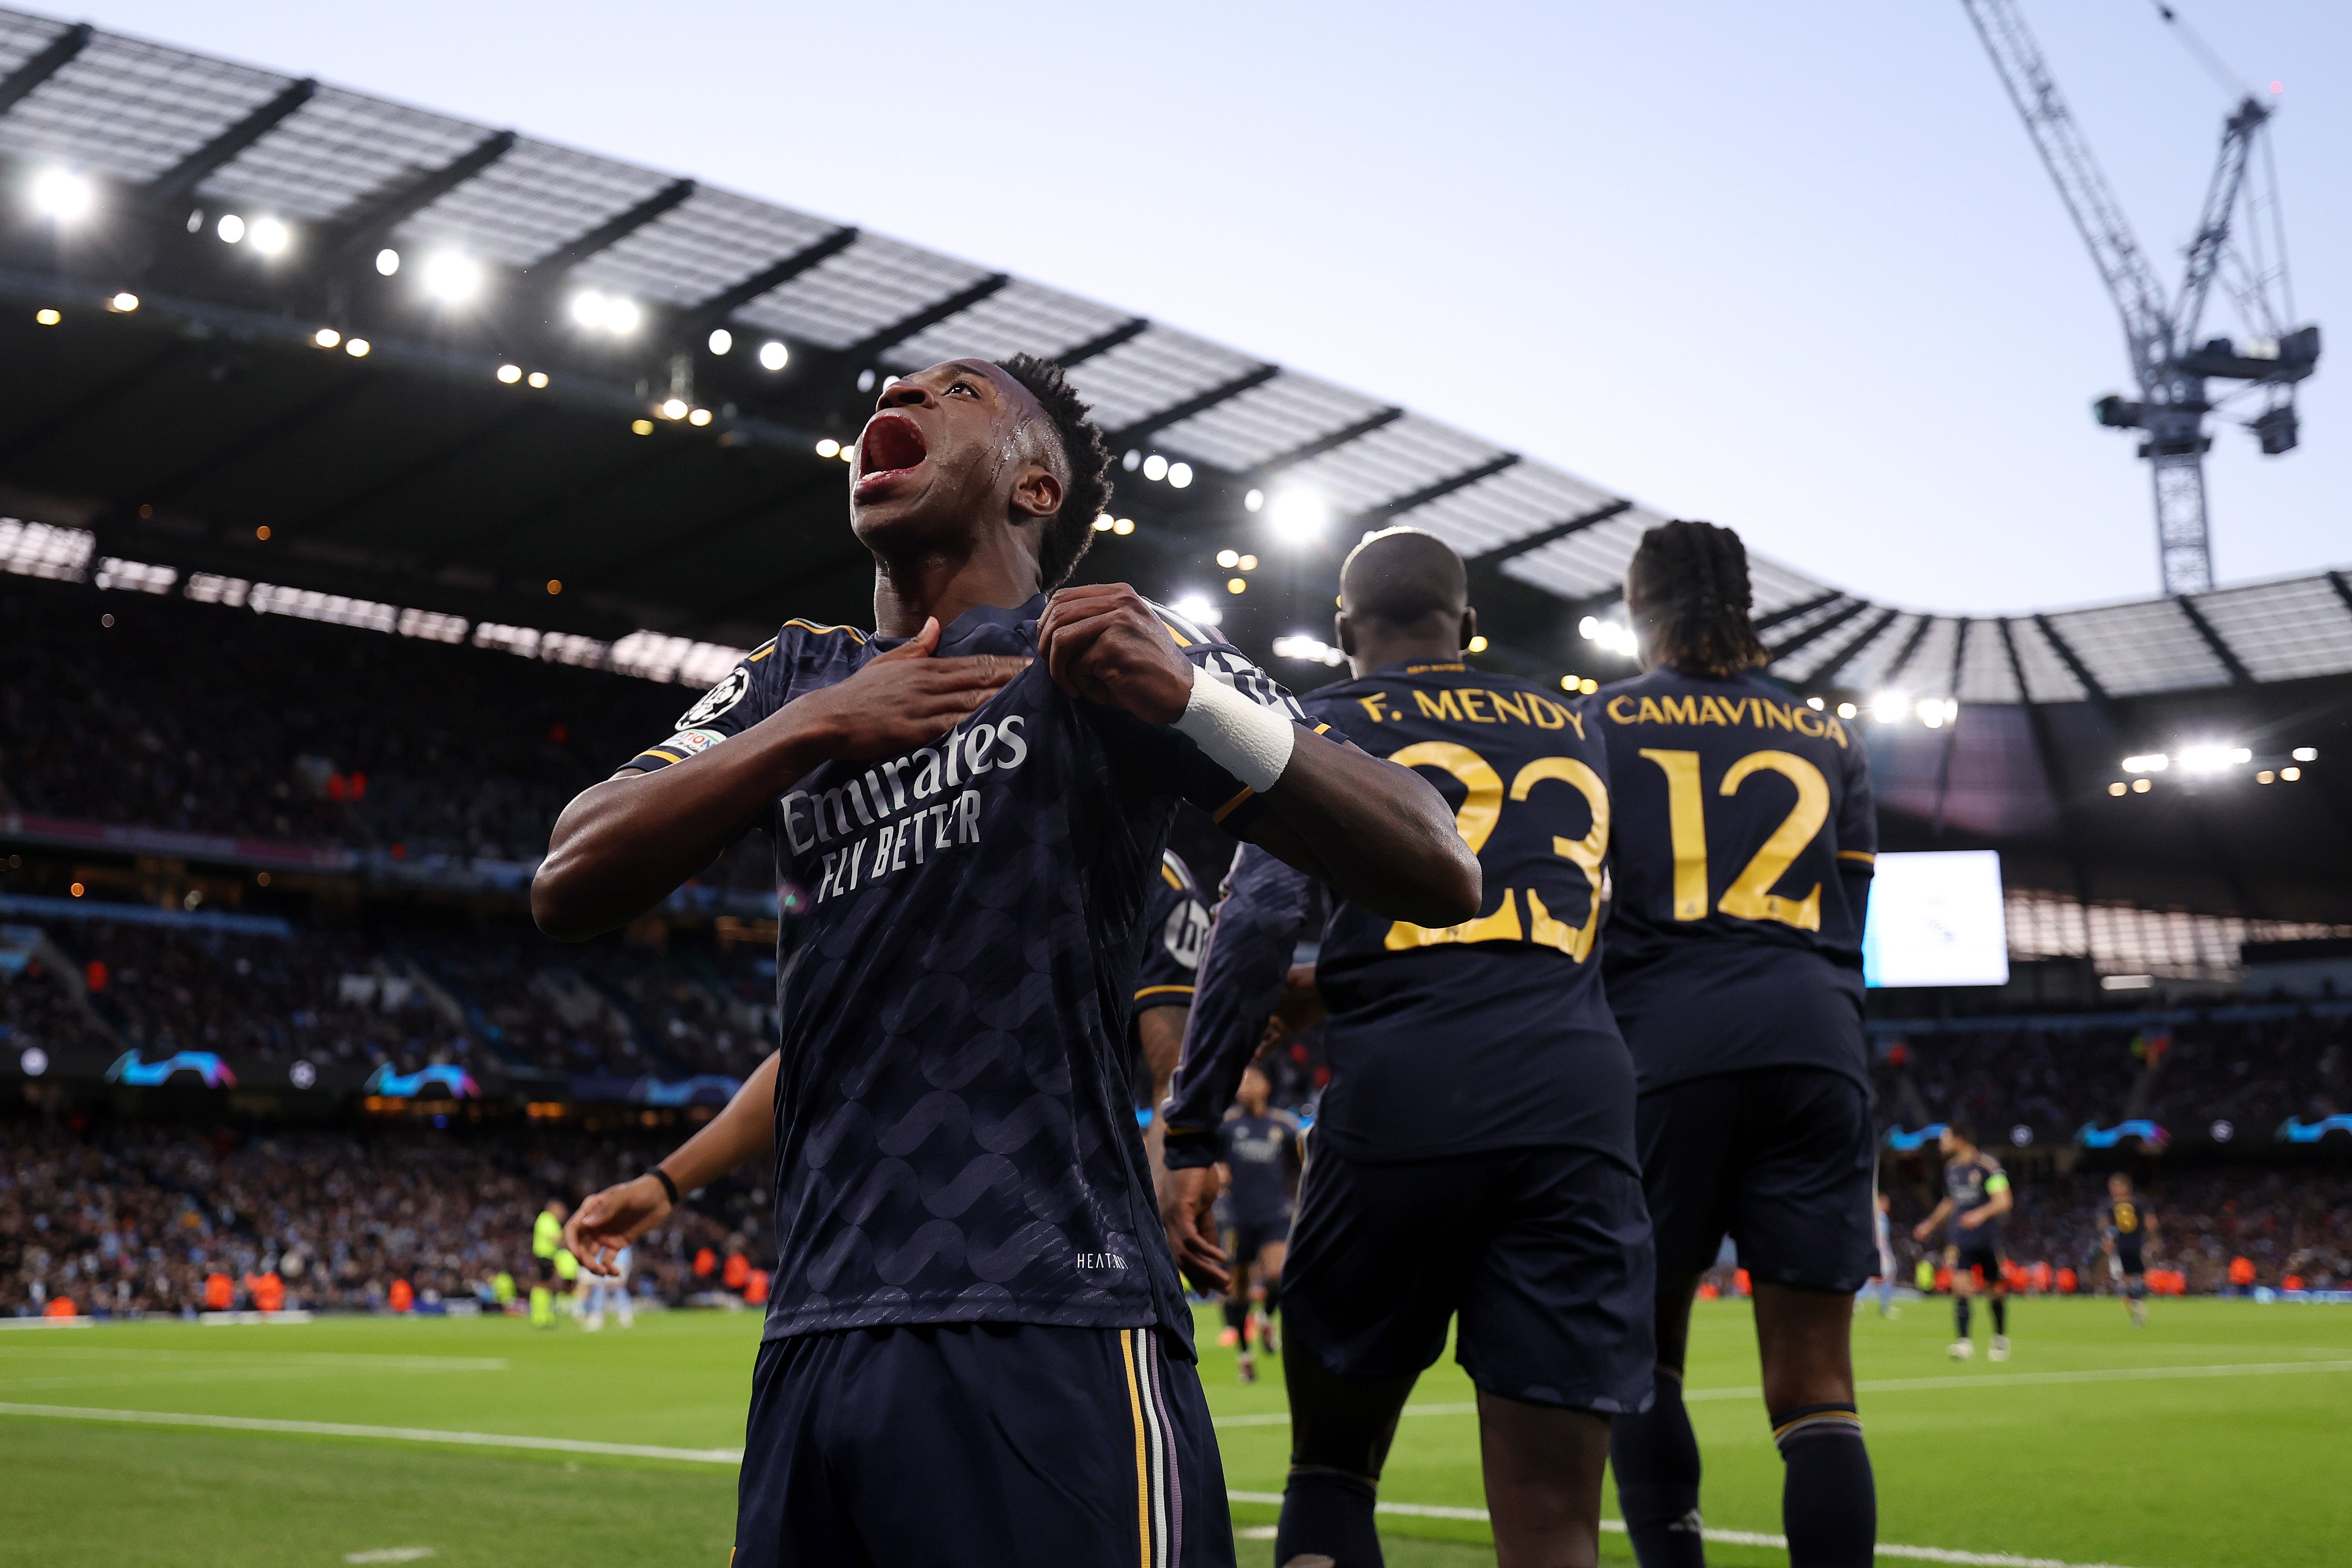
1750,895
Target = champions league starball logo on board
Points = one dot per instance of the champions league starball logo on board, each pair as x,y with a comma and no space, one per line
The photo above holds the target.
408,1085
204,1064
2093,1136
1904,1142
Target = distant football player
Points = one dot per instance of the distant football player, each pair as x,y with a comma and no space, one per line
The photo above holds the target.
1885,1245
1975,1195
2128,1226
1472,1158
976,1349
1257,1155
1742,855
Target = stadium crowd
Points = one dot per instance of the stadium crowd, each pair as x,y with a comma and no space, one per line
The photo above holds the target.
492,999
141,1218
2253,1075
292,730
150,1220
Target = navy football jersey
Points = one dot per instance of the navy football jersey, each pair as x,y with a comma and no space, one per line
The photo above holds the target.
2126,1220
1259,1153
1493,1033
1740,869
1175,929
1970,1184
954,1136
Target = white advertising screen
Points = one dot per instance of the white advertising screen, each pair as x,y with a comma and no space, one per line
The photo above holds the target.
1936,920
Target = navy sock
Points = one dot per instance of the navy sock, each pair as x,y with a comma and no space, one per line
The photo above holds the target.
2001,1315
1237,1313
1656,1456
1960,1305
1829,1501
1327,1514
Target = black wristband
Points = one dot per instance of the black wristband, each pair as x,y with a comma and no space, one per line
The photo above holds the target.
668,1186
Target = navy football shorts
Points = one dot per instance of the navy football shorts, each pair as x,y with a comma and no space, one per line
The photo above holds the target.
1780,1159
1975,1251
979,1445
1250,1237
1542,1253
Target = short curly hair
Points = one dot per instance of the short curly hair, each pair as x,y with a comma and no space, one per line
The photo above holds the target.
1069,531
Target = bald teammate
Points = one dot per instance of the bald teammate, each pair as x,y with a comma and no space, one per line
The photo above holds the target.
1474,1157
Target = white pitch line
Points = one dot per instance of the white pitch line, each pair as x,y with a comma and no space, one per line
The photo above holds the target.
1911,1385
402,1434
1728,1537
329,1360
391,1554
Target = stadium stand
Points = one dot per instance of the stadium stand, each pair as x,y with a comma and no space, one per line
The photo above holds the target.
136,1219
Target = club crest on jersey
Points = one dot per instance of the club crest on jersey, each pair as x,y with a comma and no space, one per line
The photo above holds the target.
718,699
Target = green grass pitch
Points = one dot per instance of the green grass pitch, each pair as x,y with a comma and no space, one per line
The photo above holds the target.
2218,1436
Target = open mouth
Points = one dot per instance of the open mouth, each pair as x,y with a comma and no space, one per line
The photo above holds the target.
891,445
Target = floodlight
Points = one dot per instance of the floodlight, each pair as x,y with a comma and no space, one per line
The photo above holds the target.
1253,500
1229,559
621,317
510,373
1249,563
774,356
588,307
1477,644
1105,523
700,416
2213,758
1938,711
357,347
1179,475
1847,710
387,262
2291,774
46,316
326,337
1589,628
2307,754
124,304
721,340
1299,514
452,277
63,195
1887,707
1196,607
1124,526
827,447
269,236
1236,585
231,228
673,408
538,378
2154,762
1155,467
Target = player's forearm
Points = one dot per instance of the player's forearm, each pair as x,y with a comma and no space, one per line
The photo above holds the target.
624,845
744,1130
1372,832
1240,981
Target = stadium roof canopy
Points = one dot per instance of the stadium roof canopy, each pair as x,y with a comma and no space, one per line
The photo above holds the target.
543,401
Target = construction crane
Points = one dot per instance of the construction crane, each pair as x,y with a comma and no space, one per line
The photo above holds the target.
2169,364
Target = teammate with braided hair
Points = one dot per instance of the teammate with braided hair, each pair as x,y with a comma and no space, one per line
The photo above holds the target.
1742,853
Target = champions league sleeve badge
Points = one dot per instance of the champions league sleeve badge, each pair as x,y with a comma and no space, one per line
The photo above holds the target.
718,699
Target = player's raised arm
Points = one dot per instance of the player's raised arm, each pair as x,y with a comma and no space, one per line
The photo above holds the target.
1371,830
611,1219
626,844
1240,981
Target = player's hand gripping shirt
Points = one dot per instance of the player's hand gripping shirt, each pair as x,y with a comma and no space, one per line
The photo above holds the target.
1490,1034
1739,867
954,1136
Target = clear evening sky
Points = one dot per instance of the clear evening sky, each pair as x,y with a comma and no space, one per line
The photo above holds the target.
1792,268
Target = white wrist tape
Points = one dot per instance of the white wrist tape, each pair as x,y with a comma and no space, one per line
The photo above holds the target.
1250,742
